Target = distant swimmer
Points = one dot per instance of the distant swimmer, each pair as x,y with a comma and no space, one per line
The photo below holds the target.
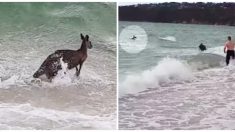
229,49
202,47
134,37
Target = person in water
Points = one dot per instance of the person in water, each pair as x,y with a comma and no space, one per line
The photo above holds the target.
202,47
229,49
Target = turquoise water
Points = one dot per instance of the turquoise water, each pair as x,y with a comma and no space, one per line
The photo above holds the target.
72,17
29,32
171,84
188,37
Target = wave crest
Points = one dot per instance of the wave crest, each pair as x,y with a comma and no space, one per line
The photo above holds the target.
167,70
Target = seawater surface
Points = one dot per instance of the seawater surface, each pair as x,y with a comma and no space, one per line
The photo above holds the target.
171,84
29,32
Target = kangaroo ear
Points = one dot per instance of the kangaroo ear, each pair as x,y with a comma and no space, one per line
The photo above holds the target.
82,37
87,37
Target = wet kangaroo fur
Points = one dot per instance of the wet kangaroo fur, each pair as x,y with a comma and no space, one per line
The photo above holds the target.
73,58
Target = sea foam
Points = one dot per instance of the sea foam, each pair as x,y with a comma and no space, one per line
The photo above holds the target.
167,70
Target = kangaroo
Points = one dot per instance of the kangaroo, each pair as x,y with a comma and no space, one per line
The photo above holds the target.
73,58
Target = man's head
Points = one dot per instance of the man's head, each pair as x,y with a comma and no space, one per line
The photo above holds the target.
229,38
202,47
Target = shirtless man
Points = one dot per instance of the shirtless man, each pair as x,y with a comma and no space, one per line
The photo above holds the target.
229,45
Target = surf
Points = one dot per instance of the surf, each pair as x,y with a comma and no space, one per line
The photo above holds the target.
167,70
168,38
29,33
206,60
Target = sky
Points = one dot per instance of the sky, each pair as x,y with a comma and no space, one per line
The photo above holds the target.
133,2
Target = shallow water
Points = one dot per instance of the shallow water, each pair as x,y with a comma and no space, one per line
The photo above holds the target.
32,31
172,85
205,103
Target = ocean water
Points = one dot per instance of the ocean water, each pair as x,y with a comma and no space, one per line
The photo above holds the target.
170,84
29,32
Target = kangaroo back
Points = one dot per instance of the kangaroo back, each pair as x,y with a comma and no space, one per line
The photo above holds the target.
50,64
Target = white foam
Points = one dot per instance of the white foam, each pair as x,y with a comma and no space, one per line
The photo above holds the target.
205,103
63,77
167,70
25,116
216,50
168,38
10,81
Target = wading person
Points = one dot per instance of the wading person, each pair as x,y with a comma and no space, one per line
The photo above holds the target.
229,49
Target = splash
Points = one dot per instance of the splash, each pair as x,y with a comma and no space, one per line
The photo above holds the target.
168,38
167,70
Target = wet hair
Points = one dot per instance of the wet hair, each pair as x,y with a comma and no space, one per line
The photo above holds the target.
229,38
202,47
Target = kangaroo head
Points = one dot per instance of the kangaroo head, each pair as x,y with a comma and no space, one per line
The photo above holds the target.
86,41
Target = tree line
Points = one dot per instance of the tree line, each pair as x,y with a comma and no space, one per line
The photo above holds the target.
173,12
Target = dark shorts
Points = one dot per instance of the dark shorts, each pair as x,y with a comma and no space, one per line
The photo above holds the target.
230,53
